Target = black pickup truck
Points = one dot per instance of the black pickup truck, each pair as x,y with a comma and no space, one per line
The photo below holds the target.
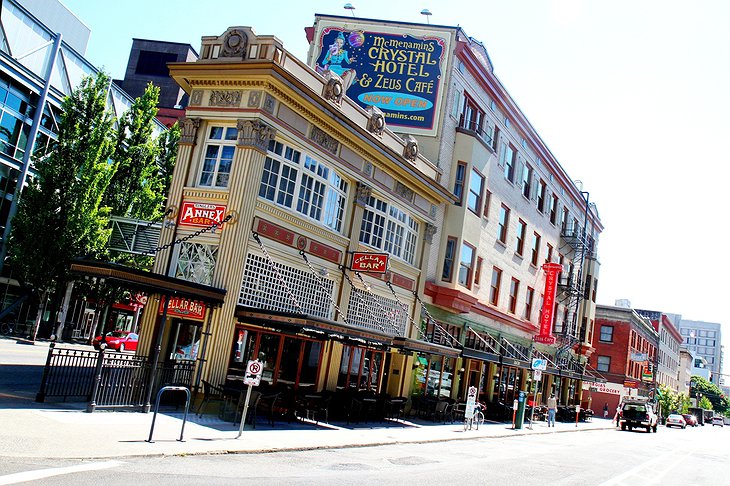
637,414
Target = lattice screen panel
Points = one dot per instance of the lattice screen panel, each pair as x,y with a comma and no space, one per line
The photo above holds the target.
363,311
262,289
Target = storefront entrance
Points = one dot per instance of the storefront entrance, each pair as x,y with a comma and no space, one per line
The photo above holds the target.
292,361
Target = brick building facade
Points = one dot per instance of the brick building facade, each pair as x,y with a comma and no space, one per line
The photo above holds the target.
626,343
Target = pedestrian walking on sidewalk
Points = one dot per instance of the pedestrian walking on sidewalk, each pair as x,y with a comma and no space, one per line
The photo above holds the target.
605,410
552,404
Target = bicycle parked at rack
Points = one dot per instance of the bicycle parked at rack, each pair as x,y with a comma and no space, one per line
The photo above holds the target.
476,419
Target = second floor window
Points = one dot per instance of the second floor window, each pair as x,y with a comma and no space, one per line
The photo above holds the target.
388,228
220,147
449,259
529,296
514,290
466,264
300,182
494,287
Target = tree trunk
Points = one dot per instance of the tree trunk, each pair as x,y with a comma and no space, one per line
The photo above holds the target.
64,311
39,315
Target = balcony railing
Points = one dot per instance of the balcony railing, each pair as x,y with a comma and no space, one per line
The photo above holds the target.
477,129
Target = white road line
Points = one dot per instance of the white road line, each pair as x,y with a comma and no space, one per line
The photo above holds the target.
641,468
56,471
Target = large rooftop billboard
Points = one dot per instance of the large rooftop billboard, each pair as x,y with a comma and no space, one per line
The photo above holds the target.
400,68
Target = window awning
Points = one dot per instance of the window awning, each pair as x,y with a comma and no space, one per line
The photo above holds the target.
408,344
511,355
481,355
310,325
153,283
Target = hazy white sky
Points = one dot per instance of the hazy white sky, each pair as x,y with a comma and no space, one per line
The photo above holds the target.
631,96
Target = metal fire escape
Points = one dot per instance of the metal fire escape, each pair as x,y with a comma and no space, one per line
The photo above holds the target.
571,283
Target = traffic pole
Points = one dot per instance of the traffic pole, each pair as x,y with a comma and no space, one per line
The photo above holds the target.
245,410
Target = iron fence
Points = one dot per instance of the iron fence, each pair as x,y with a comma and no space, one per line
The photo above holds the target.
106,379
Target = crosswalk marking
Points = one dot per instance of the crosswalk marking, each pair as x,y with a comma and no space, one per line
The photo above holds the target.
56,471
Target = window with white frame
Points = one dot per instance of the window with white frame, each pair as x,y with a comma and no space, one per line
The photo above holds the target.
196,262
389,228
466,264
476,186
300,182
220,146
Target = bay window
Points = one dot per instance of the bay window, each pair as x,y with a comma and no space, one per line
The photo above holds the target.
389,228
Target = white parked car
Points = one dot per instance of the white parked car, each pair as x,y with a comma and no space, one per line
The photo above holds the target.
718,420
675,420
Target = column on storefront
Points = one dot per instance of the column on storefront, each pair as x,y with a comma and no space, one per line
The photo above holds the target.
245,177
186,145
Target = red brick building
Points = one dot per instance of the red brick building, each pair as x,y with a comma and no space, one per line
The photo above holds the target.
626,345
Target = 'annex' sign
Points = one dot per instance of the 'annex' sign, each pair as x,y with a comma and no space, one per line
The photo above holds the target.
201,214
369,262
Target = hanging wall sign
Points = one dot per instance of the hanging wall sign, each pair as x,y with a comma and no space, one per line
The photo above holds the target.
369,262
183,308
546,320
201,214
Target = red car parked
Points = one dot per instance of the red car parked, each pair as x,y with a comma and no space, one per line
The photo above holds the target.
119,340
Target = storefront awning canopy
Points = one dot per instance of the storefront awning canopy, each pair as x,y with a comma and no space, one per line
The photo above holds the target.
152,283
482,355
408,344
309,325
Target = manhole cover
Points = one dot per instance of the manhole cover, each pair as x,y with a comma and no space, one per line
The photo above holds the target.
410,461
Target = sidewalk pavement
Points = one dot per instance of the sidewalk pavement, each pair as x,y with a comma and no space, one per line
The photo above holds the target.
65,430
53,432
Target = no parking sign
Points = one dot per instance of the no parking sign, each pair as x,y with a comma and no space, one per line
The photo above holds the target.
254,368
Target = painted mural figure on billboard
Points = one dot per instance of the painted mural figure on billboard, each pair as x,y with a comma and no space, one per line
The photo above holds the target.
399,73
336,56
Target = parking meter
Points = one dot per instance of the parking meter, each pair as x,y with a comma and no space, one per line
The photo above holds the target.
520,418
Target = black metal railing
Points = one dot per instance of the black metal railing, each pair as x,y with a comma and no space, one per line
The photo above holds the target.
106,379
477,128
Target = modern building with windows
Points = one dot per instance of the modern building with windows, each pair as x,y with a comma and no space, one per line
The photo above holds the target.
704,339
42,48
147,63
309,195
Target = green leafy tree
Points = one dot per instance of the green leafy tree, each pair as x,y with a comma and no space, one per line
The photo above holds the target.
711,392
705,403
60,213
167,155
136,189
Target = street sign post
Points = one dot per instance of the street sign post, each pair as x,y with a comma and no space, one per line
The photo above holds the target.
539,364
536,376
471,401
252,378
